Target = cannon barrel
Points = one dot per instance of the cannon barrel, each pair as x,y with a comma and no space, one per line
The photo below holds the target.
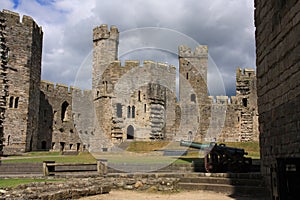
197,145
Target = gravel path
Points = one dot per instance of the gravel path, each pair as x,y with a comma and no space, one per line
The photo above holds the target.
186,195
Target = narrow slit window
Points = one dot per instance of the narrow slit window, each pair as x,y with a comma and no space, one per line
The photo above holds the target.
17,102
11,102
133,111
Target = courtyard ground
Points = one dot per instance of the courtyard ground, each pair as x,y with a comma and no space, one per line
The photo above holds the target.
187,195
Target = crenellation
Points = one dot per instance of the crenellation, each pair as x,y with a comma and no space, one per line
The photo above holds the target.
186,52
102,32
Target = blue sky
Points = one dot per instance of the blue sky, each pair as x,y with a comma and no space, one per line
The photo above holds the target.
227,27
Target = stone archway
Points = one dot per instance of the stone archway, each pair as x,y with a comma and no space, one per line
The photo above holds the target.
130,132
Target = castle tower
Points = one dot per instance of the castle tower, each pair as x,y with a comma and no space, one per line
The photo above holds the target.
105,51
24,42
247,97
193,85
3,77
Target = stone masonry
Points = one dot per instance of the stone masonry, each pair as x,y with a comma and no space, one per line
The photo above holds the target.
24,42
129,102
278,89
3,77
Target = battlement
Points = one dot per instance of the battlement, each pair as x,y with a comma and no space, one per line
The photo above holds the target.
186,52
51,88
26,20
130,64
245,73
101,32
223,100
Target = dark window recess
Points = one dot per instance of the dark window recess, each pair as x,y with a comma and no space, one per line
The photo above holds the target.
64,108
139,96
245,102
133,111
187,76
11,102
119,110
193,98
17,102
128,111
145,108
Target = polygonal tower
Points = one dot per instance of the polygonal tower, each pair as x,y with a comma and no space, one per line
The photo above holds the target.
24,41
105,51
193,87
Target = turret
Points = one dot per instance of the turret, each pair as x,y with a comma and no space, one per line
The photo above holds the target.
105,51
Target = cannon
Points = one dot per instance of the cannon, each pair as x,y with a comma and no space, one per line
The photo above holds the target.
221,158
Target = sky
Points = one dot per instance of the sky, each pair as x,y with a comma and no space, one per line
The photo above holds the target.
226,26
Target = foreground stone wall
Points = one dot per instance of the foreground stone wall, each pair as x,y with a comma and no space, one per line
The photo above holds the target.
278,71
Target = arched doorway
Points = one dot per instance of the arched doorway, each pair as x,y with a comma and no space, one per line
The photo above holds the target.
44,145
130,132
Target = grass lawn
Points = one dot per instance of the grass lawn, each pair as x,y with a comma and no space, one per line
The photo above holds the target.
137,152
83,157
7,183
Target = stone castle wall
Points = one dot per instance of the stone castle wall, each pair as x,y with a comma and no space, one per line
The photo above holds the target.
126,102
66,118
278,46
3,78
24,42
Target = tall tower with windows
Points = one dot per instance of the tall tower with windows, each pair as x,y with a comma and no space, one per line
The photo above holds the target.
24,43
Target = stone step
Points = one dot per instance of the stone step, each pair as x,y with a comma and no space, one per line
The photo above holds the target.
226,181
224,188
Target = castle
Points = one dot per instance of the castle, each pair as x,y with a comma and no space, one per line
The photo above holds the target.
129,102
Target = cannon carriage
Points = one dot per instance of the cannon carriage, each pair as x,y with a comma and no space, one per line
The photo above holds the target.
221,158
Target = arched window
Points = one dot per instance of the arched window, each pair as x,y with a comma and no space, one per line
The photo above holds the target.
145,108
133,111
16,102
11,102
64,113
187,76
128,111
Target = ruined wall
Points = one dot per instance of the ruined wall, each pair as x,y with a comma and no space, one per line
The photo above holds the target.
58,129
278,46
234,119
24,41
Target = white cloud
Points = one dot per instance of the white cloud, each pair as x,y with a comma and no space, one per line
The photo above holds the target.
227,27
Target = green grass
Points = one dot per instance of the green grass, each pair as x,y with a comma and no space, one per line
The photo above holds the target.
83,157
252,148
12,183
141,147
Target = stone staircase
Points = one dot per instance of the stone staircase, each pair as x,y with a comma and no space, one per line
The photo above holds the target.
248,184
